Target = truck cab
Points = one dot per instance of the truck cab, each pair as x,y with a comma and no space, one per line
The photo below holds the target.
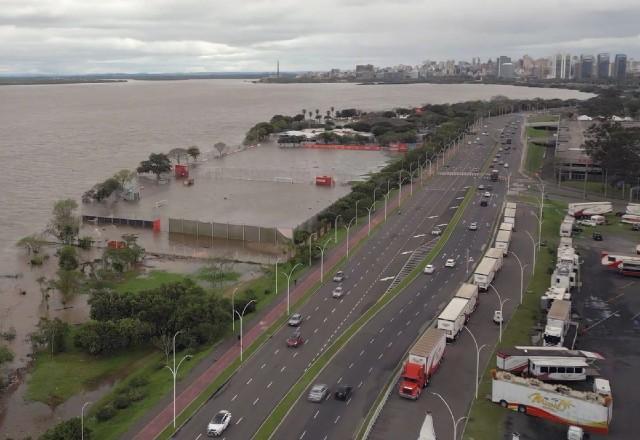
412,381
553,336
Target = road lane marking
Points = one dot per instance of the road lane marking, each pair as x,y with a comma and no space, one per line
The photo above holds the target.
295,354
269,384
234,397
336,421
283,368
239,420
249,381
380,357
362,352
302,435
340,380
315,331
316,414
386,278
262,366
199,435
256,401
277,351
351,365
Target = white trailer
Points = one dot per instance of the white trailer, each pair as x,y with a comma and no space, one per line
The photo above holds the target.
452,318
566,229
470,293
589,208
552,294
502,241
517,359
496,254
591,410
568,255
509,212
511,221
506,227
564,276
511,205
566,242
558,321
484,273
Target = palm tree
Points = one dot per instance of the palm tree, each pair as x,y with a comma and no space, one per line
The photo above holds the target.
332,110
304,113
328,115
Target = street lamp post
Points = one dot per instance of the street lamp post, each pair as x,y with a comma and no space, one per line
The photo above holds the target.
533,243
477,357
349,227
335,228
82,420
539,228
369,209
288,275
277,261
174,372
356,217
400,187
502,303
521,274
310,240
241,315
453,419
386,197
374,194
322,248
233,308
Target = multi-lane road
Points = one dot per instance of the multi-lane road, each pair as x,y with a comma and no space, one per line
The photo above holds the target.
269,374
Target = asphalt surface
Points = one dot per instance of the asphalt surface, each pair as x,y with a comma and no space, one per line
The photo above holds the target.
608,307
369,359
266,377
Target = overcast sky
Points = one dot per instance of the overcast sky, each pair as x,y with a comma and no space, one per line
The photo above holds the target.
96,36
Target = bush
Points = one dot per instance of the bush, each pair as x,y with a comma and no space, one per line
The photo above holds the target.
67,430
136,394
105,413
85,242
139,381
38,260
5,354
122,401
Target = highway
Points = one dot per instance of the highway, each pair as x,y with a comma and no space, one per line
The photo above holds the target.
266,377
368,361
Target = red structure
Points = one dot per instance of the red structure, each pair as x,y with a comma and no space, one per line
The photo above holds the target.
116,244
156,225
324,181
181,170
399,147
366,147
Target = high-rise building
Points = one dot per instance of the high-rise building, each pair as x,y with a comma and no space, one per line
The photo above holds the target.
365,71
603,65
502,60
586,66
620,67
507,71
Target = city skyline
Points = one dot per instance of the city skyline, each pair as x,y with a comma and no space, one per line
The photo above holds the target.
83,37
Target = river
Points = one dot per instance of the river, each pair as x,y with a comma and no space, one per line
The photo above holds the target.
56,141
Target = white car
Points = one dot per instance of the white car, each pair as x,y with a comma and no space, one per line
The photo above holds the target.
497,316
587,222
338,292
473,226
429,268
506,165
295,320
436,231
219,423
339,276
318,393
450,263
487,194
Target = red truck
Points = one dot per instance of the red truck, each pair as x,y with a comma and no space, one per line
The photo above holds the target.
423,361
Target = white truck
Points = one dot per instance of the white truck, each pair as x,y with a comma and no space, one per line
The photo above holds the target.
509,212
558,321
587,209
502,241
510,221
591,410
566,229
552,294
485,273
506,227
566,242
470,293
511,205
452,318
497,254
567,255
564,276
523,360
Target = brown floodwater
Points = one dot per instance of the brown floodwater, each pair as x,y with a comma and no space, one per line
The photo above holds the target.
58,140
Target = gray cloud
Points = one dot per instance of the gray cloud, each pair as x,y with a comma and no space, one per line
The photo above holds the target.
84,36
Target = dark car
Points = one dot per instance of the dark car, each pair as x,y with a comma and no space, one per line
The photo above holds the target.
576,229
483,202
344,392
596,236
295,340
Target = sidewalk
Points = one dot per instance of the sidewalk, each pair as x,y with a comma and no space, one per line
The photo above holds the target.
230,349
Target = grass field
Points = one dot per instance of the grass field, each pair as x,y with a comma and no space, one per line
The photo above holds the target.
486,420
538,133
597,188
135,282
543,118
535,158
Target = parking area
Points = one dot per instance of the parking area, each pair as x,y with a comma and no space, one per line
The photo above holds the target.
608,311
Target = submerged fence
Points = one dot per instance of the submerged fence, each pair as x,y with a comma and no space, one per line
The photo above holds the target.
228,231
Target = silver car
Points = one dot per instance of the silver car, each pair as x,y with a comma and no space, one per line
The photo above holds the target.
318,392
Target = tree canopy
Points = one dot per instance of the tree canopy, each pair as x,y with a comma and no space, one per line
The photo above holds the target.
65,224
616,149
158,163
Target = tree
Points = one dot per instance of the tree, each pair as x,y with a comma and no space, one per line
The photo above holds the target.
124,176
616,149
157,164
65,224
67,283
67,258
32,243
5,354
220,146
177,154
67,430
51,335
194,152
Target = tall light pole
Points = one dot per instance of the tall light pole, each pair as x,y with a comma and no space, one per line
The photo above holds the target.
310,240
288,275
502,303
386,197
521,274
533,247
335,228
349,227
429,160
374,194
233,308
241,315
539,228
174,372
410,178
400,187
277,261
322,248
82,420
356,217
478,349
369,209
453,419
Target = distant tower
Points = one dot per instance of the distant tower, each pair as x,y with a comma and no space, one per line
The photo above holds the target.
278,69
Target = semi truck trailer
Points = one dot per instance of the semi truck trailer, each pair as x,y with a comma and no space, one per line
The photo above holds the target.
422,362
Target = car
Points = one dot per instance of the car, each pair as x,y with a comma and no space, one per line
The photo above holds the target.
487,194
506,165
484,133
339,277
597,236
501,163
295,320
497,316
318,393
338,292
429,268
476,170
473,226
343,393
450,263
481,187
219,423
586,222
495,160
484,202
436,231
635,227
295,340
576,229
